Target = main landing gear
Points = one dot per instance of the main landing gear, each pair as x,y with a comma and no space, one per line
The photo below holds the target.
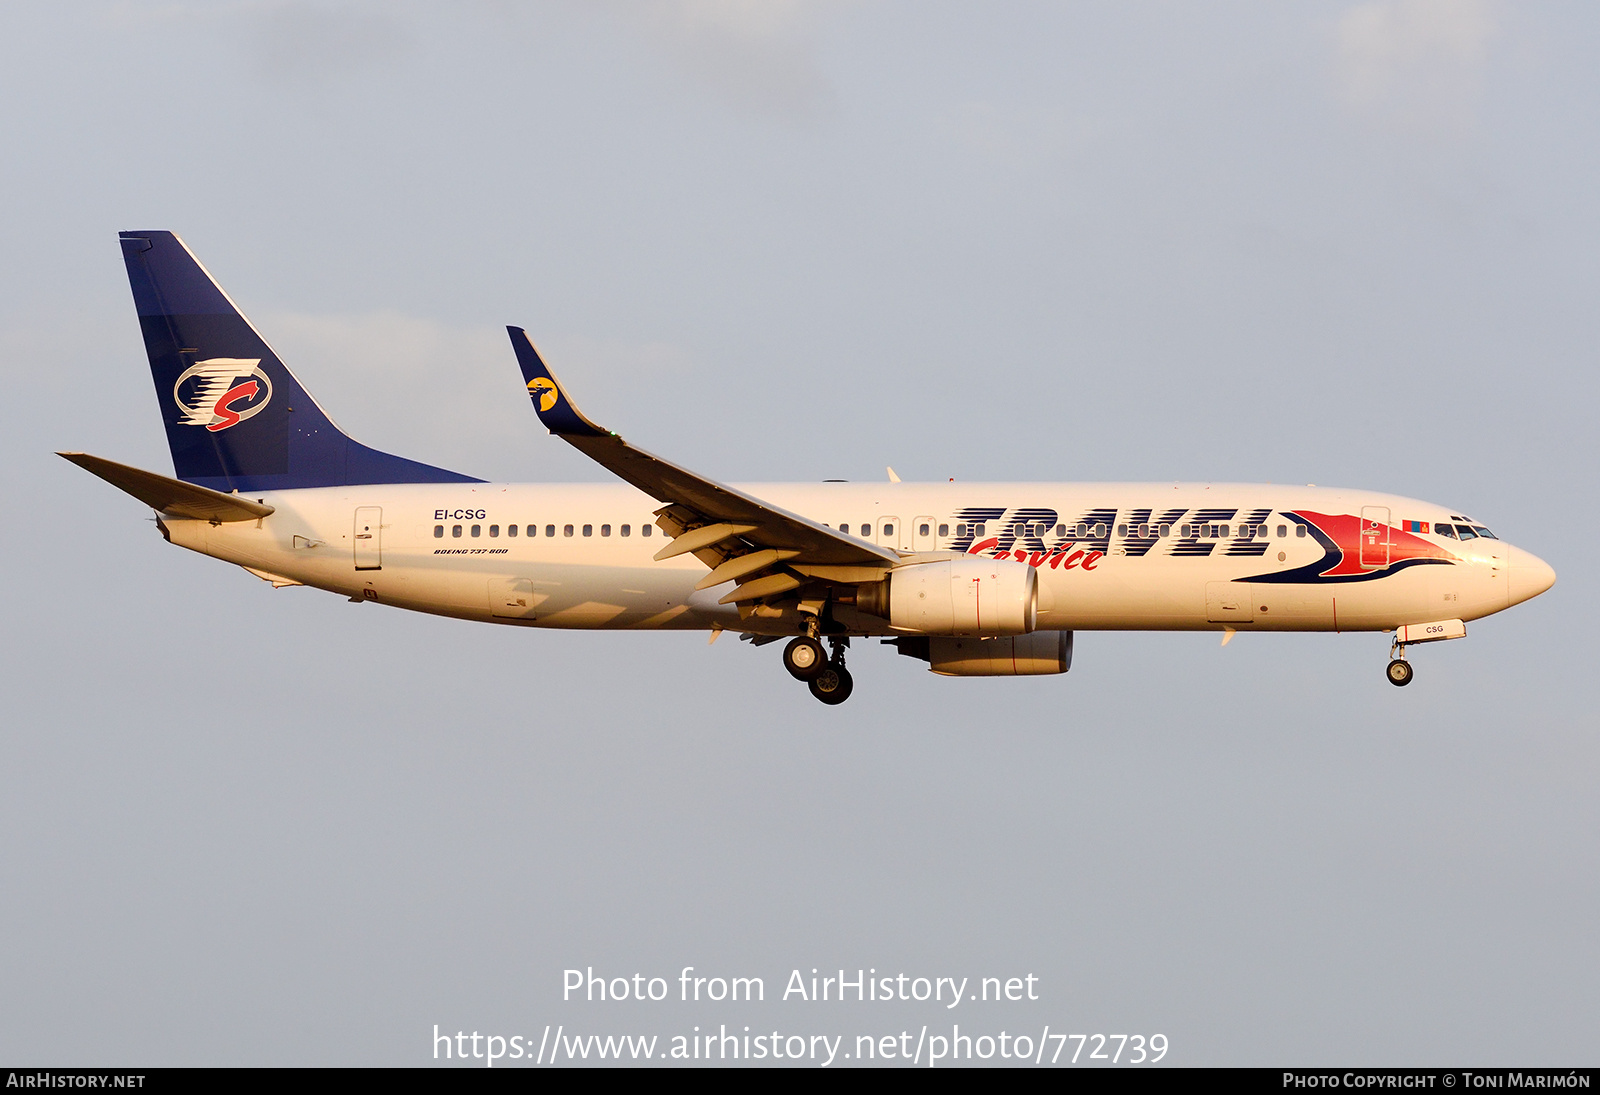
804,659
827,677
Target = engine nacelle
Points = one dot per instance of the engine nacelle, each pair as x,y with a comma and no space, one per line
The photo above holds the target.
967,595
1036,654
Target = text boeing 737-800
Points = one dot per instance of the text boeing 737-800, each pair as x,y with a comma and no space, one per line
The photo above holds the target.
976,579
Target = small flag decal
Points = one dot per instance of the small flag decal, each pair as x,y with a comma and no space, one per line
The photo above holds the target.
1415,526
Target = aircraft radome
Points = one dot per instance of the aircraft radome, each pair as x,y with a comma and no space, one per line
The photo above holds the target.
976,579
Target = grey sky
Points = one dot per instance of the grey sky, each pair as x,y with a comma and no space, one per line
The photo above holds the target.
1340,243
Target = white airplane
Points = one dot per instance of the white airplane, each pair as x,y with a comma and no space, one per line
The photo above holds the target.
976,579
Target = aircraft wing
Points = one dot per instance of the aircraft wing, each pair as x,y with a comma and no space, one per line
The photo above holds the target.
738,535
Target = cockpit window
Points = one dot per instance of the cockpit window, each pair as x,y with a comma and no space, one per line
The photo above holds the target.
1485,533
1445,530
1466,532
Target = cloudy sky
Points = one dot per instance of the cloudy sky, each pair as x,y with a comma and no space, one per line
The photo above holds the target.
1349,244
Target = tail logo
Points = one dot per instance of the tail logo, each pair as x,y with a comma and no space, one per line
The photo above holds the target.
544,390
221,392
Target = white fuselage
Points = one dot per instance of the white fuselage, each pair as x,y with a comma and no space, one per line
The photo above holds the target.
1126,556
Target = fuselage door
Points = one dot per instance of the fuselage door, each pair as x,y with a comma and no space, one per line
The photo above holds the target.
922,538
1375,537
369,538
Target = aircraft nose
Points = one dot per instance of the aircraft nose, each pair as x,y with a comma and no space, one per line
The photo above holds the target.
1530,575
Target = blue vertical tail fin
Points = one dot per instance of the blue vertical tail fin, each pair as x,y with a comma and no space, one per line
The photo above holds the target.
236,417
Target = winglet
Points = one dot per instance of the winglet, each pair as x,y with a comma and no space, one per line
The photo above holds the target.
558,413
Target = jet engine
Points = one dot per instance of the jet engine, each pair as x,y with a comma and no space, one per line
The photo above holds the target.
1035,654
967,595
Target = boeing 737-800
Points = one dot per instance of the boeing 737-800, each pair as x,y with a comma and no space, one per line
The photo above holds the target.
976,579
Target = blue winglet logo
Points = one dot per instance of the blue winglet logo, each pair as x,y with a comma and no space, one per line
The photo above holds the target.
557,413
544,392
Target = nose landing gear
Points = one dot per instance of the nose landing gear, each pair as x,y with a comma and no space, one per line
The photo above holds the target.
1399,671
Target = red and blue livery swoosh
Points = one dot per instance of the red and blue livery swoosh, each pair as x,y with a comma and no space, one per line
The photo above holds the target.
1340,537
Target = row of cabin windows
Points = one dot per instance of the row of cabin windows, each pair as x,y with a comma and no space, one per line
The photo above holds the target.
1083,530
1224,532
888,530
549,530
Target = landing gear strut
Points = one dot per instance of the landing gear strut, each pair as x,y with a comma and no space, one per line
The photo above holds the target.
1399,671
833,684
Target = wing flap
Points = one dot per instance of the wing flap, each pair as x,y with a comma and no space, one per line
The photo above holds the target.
741,565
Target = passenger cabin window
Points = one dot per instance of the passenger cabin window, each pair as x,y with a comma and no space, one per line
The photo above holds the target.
626,530
1061,530
588,530
1083,530
1445,530
438,531
455,530
511,530
1122,530
566,530
981,529
1299,530
1165,531
494,530
944,530
923,530
866,530
1283,530
845,528
646,530
888,530
605,530
477,530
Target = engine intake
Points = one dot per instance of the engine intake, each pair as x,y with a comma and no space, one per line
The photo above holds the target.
970,595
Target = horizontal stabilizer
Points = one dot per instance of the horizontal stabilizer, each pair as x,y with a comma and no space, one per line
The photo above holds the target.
172,496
